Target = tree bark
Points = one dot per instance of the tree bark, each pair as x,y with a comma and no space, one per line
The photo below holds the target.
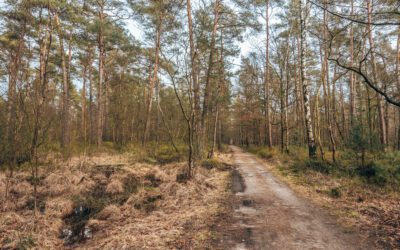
267,118
286,101
210,67
65,93
303,132
326,88
352,76
152,82
196,126
39,100
398,84
90,78
318,125
101,76
382,124
84,126
310,136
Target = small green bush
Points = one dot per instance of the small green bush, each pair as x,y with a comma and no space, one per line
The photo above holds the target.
335,193
167,154
374,173
182,177
150,160
212,163
265,153
321,166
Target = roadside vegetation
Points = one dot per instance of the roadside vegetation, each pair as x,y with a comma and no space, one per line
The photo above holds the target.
363,195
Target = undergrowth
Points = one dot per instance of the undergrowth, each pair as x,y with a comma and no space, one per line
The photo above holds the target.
214,163
154,153
381,170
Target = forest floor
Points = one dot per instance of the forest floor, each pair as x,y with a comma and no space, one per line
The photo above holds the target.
110,202
115,201
267,214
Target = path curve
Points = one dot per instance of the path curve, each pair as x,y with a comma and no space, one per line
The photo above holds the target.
271,216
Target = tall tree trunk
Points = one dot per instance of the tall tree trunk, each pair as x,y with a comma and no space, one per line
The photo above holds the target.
382,125
196,126
65,93
211,154
106,101
318,124
207,90
326,88
282,108
39,100
220,86
90,77
152,83
334,110
158,112
101,76
398,83
352,76
286,102
302,118
343,111
68,130
267,118
84,126
310,136
284,82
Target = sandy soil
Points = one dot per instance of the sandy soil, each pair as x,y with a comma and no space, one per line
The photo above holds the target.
267,214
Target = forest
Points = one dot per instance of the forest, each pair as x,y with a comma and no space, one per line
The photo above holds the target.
145,124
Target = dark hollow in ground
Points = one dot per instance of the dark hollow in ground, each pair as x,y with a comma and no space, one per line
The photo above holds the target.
248,203
89,205
237,182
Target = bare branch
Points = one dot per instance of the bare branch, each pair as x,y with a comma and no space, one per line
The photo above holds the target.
367,80
354,20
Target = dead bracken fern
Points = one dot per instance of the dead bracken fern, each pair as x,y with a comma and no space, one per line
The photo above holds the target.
128,205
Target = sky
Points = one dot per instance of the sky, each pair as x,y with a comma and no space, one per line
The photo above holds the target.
245,47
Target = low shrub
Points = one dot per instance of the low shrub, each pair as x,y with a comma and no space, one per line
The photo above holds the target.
212,163
335,193
253,149
154,153
182,177
320,165
166,154
374,173
263,152
266,153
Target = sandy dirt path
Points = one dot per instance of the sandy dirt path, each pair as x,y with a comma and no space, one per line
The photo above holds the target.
269,215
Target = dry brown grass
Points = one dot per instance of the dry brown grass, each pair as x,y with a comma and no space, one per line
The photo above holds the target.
115,186
160,214
110,213
59,207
